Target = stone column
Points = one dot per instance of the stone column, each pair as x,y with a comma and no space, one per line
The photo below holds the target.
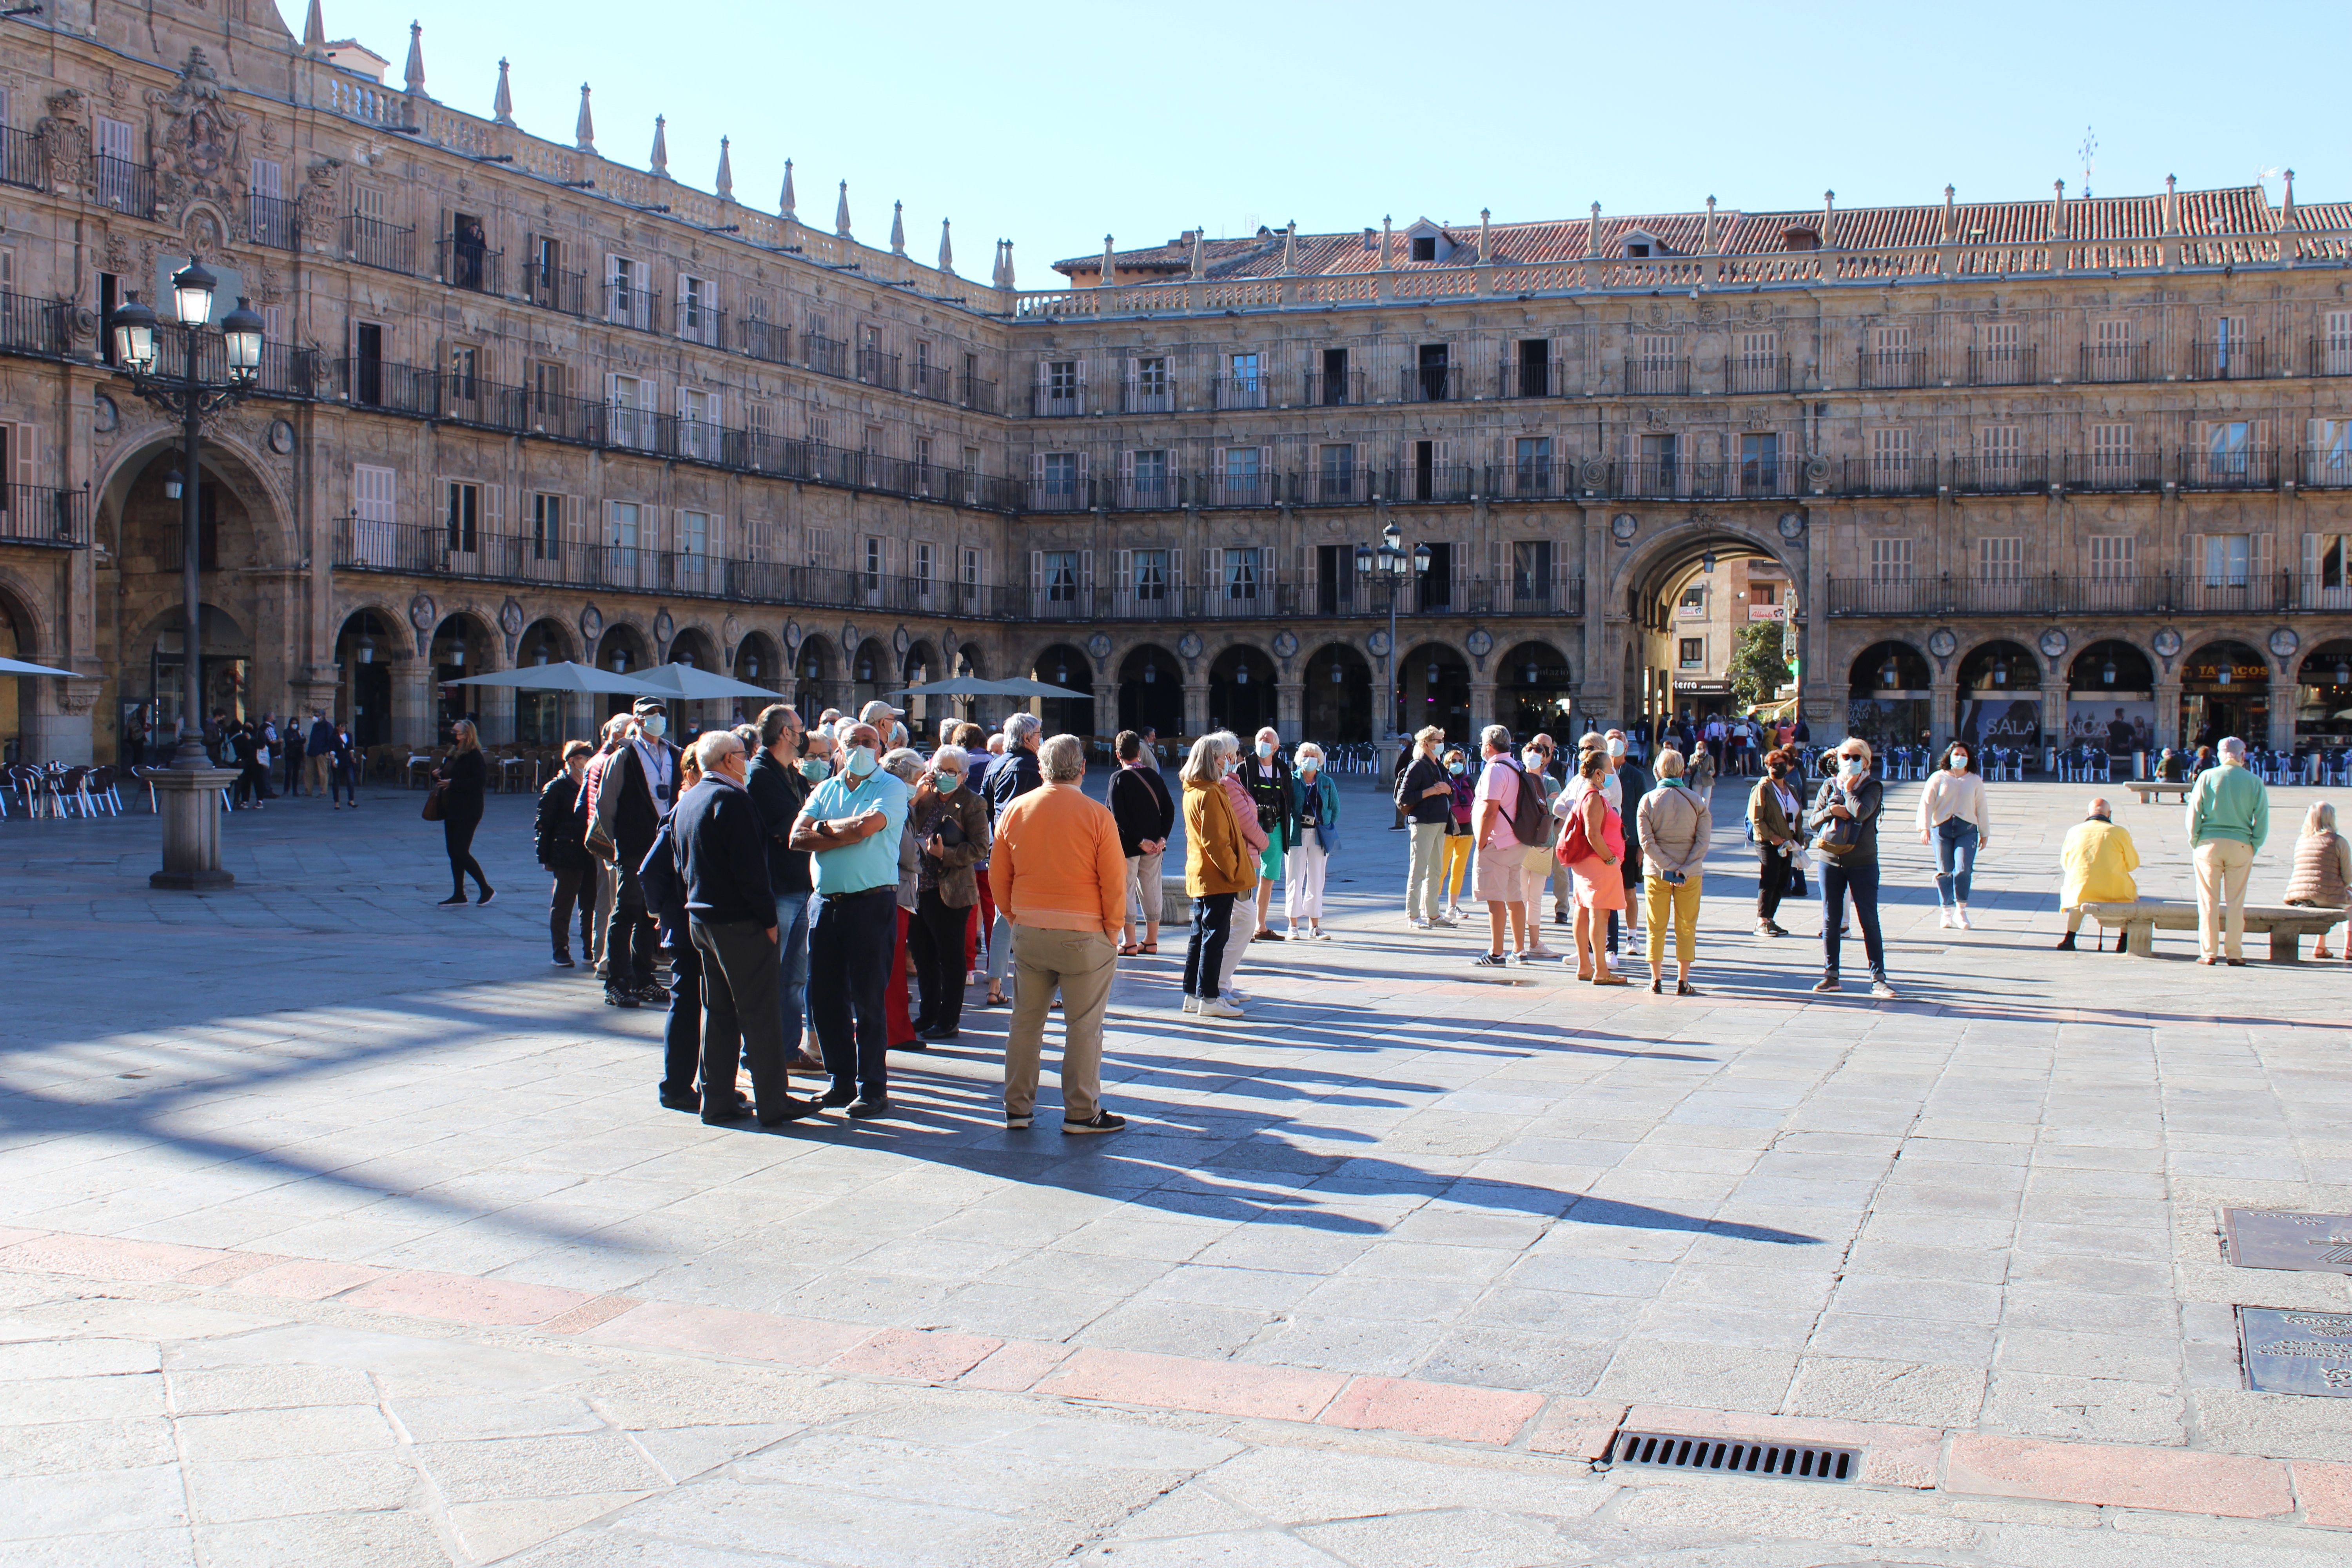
496,704
2054,706
1106,709
2167,709
1196,705
1482,707
1290,712
1944,705
2282,709
412,702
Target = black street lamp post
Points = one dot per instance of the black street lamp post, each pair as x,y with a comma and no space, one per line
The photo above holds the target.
1391,561
191,817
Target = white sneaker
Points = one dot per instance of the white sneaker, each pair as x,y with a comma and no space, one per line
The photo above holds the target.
1236,996
1218,1007
1192,1004
1960,917
1417,923
1944,918
1443,924
1529,954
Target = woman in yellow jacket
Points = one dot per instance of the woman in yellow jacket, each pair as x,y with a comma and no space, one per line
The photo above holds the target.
1217,867
2098,860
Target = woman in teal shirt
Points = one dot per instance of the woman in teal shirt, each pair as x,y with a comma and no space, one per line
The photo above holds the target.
1315,808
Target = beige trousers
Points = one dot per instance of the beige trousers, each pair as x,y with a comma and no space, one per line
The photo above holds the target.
2221,868
1081,963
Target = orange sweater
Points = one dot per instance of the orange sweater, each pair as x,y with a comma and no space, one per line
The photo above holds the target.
1055,863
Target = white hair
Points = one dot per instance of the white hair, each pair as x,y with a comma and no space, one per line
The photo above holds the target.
1019,727
1063,760
1306,748
713,747
903,764
948,757
1205,766
2232,746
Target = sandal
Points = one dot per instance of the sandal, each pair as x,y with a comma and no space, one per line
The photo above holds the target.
1128,950
1148,947
1611,978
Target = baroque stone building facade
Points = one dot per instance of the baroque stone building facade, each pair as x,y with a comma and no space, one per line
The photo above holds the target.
2022,465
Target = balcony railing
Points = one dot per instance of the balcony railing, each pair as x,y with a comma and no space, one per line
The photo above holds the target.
271,219
1671,477
931,381
371,242
1056,402
2113,361
285,372
635,308
1139,395
768,341
698,322
22,162
2163,593
876,368
2247,468
2330,356
2110,470
977,392
2002,366
2242,360
125,187
1420,383
826,357
1238,392
1531,378
1650,377
466,264
1323,391
1258,592
1891,367
552,289
35,514
1755,372
33,326
1433,482
394,388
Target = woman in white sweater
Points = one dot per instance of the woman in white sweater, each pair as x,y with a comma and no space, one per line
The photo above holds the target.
1952,817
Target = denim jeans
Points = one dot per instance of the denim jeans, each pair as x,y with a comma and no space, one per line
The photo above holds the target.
792,967
1204,956
1862,881
1956,859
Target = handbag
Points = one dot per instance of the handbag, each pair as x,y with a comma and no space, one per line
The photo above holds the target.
1836,837
434,807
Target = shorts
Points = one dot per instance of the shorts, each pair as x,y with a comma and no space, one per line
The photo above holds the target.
1500,876
1270,858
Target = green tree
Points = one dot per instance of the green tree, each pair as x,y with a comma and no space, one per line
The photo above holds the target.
1758,671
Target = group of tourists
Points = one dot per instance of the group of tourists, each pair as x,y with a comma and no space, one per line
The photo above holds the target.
323,755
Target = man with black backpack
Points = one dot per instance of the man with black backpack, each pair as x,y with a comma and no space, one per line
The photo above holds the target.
1509,816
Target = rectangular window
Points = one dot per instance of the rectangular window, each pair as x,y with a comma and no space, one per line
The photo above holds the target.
465,514
1693,653
630,411
1061,575
1336,471
970,574
923,565
2111,556
1245,387
1534,367
373,515
462,363
1890,457
2227,556
2230,345
2111,351
118,164
1150,470
1757,365
698,316
2003,343
1152,390
546,528
1765,594
1531,569
1658,369
2330,552
2111,448
1532,465
1243,567
1890,561
2227,447
873,565
621,534
1150,581
1062,386
1658,454
1693,606
2336,344
1244,481
630,304
2001,560
1998,452
694,532
1760,463
698,424
2329,442
1061,477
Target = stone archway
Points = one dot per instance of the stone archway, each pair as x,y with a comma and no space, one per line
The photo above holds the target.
368,642
1060,663
1637,636
2000,698
813,677
1242,691
1339,695
2322,696
538,717
2225,689
462,645
1536,693
1152,690
1433,687
1890,696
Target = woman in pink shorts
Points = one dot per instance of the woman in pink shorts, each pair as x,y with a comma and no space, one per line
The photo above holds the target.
1599,879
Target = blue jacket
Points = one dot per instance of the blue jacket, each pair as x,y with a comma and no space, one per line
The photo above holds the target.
1326,807
722,855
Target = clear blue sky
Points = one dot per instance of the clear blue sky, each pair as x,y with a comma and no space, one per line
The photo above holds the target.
1051,126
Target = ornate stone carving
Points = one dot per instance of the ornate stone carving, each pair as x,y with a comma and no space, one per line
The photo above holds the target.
510,618
199,142
65,140
314,208
421,613
591,626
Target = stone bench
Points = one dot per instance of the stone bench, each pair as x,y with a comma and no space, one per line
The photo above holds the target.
2149,789
2286,925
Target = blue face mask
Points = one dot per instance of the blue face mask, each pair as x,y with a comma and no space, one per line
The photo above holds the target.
946,783
816,770
1453,768
861,760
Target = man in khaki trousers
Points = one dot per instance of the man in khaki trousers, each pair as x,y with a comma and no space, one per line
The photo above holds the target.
1057,873
2228,817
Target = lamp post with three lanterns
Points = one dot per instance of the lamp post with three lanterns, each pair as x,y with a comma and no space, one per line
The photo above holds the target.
185,789
1391,561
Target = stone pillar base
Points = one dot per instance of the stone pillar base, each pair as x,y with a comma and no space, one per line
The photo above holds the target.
188,802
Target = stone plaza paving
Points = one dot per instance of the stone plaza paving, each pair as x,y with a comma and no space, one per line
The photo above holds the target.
338,1228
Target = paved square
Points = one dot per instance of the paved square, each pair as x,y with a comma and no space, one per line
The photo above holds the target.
1383,1259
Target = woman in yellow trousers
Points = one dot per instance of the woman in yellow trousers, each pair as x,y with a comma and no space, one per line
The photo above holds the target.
1672,821
1455,865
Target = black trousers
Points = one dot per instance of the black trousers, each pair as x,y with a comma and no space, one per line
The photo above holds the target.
457,838
630,936
935,941
682,1031
852,944
575,887
737,963
1204,956
1772,880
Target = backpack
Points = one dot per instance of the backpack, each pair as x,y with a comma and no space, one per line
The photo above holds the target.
1528,815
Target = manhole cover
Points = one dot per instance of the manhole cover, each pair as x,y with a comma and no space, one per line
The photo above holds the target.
2280,1238
2296,1352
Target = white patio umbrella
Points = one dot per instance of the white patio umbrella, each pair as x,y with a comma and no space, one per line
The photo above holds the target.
18,666
566,676
687,684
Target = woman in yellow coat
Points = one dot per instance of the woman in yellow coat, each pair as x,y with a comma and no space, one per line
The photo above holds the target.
2098,860
1218,865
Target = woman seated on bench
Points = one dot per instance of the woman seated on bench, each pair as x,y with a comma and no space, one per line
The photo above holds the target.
2322,878
2098,860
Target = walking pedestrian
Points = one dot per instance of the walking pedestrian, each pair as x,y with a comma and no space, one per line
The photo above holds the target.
1773,810
661,877
1844,822
1424,793
1314,817
1676,825
1058,872
1457,843
851,825
1218,867
1954,818
1266,774
1592,847
950,828
557,836
2229,816
2322,878
2097,859
1146,814
463,774
639,785
730,911
779,781
1012,776
345,760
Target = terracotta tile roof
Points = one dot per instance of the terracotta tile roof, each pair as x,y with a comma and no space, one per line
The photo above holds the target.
2240,210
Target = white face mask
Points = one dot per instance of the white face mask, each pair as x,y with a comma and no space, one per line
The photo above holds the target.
1959,763
653,725
1617,746
1851,767
1265,748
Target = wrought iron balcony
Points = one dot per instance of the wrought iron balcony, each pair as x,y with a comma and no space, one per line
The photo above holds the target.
35,326
635,308
2244,468
769,340
2010,364
876,368
371,242
125,187
1891,368
467,264
1531,378
35,514
978,394
1056,402
271,221
2025,595
698,322
2239,359
1425,383
1152,396
826,357
552,289
1652,376
1323,391
1755,372
931,381
1238,392
393,388
22,162
2114,362
2330,356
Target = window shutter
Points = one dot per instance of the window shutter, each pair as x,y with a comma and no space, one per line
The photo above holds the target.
1045,377
2309,597
1087,570
1036,477
1134,377
24,442
1082,473
1127,469
1123,564
1265,473
2260,558
2194,545
1082,389
1217,464
494,508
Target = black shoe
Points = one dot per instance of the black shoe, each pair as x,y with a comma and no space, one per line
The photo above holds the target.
487,894
2119,941
563,961
1019,1124
737,1111
794,1110
680,1101
1684,988
454,898
862,1108
1658,987
615,997
1269,936
940,1032
1103,1122
653,995
1827,983
2066,943
836,1097
2235,963
915,1045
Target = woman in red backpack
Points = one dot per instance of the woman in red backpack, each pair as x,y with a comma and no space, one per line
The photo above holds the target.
1592,846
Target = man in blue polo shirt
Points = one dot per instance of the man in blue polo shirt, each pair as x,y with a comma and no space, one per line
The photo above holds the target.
851,826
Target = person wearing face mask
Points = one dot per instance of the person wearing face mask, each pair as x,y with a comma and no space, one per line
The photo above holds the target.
1315,814
1265,773
1674,824
556,839
851,826
1218,867
640,787
1013,774
1146,814
779,781
1535,765
1459,841
1424,793
950,829
1845,820
1773,809
1953,819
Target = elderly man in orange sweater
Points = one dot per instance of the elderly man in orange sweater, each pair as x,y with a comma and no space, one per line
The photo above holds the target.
1056,871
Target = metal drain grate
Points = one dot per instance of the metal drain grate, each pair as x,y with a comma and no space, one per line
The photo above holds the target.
1717,1456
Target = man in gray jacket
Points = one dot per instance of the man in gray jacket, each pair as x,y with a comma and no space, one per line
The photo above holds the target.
1672,821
